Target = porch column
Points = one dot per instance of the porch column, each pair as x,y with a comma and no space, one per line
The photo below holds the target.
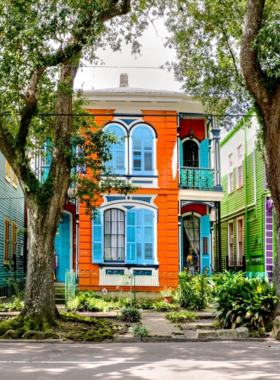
217,156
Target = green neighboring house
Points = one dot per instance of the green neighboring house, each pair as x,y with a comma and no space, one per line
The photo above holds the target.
12,220
247,215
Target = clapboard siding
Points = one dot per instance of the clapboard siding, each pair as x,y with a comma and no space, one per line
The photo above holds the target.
233,204
12,207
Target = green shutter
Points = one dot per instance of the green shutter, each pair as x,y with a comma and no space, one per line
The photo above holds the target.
97,238
204,161
181,158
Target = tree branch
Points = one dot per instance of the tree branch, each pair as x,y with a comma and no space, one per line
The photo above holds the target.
250,66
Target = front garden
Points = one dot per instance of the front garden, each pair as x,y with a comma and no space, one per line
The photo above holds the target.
236,302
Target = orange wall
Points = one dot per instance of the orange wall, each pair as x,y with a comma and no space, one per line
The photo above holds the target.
166,201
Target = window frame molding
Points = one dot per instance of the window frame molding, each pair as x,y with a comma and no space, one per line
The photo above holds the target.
126,145
230,172
154,172
8,171
238,257
7,243
228,238
238,166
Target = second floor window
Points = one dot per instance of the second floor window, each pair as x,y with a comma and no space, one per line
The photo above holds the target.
230,173
117,150
239,167
142,151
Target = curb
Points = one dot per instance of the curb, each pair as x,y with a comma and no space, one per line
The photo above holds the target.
139,340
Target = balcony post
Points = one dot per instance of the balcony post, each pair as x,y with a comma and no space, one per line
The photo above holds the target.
217,156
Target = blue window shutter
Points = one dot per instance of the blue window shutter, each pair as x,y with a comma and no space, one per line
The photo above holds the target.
131,237
97,238
181,153
204,161
148,235
117,150
142,151
205,244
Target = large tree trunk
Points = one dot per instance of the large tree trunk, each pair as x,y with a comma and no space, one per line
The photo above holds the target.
39,296
45,212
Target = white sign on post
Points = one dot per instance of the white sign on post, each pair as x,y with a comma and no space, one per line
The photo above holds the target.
104,292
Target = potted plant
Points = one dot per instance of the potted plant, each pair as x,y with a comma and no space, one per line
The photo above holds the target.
167,294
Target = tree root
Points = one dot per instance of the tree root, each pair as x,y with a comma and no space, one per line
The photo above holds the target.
68,327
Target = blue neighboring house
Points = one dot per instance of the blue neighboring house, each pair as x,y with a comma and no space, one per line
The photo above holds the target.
12,229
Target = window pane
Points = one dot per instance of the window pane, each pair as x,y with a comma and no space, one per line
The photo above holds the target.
114,236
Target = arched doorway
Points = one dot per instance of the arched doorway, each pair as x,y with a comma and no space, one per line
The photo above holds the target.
191,242
63,246
190,154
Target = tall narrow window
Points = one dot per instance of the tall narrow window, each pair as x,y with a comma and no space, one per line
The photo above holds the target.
117,150
114,235
240,242
142,151
239,167
7,241
8,171
15,180
230,245
190,154
230,173
14,243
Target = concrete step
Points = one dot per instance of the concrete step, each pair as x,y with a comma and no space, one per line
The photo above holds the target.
59,301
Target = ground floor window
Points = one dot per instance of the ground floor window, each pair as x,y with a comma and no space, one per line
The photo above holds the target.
230,244
124,236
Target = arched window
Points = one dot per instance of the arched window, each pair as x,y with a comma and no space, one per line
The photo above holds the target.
117,150
142,151
190,154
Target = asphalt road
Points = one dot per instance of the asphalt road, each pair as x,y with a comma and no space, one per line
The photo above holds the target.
146,361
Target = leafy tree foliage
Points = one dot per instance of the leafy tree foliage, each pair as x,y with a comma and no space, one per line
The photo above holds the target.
228,57
42,45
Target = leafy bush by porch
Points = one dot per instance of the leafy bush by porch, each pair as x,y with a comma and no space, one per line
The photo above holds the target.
194,291
181,316
243,302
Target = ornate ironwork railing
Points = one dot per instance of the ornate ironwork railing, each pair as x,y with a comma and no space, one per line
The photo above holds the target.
197,178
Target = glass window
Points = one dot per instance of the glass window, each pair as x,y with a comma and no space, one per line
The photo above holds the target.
8,171
117,150
230,173
191,241
230,245
142,151
239,167
240,244
190,154
7,241
114,235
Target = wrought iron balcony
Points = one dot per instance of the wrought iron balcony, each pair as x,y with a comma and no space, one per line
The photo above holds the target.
196,178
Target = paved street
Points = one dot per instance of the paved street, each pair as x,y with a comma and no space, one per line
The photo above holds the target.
191,361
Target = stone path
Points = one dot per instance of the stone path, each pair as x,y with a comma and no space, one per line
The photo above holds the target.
158,325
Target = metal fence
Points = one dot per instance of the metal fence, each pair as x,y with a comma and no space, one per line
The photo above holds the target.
11,283
197,178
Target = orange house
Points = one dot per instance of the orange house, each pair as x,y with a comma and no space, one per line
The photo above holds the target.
145,239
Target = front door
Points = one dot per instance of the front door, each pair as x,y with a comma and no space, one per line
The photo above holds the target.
62,247
191,243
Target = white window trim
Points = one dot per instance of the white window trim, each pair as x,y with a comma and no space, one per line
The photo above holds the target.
237,238
229,243
155,171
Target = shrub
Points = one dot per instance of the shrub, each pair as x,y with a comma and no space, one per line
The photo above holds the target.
162,306
181,316
130,314
16,305
194,291
243,302
89,301
139,330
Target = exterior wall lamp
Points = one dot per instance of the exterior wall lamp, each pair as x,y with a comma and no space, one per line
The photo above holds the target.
191,133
